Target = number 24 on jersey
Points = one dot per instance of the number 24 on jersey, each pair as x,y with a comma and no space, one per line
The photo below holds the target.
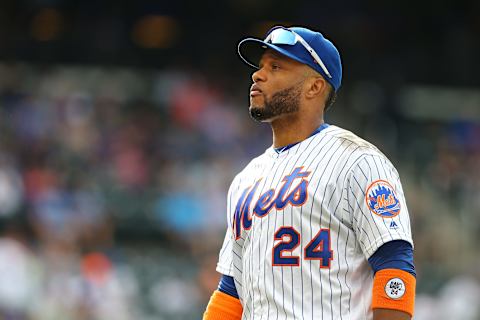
317,249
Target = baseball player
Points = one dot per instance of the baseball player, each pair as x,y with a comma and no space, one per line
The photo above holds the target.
318,227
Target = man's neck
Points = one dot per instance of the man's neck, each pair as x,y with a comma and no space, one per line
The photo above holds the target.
288,131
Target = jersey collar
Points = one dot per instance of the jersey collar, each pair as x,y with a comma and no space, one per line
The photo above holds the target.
288,146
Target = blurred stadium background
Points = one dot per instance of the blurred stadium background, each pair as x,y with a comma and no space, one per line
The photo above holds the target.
122,124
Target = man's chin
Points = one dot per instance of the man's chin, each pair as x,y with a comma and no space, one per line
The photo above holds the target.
259,114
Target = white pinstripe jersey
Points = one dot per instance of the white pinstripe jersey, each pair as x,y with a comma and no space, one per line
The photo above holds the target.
302,224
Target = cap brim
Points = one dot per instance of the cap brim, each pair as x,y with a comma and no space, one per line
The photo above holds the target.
251,50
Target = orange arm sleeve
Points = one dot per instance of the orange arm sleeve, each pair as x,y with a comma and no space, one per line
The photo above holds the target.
223,307
394,289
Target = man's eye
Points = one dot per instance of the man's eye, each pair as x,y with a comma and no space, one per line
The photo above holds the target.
275,67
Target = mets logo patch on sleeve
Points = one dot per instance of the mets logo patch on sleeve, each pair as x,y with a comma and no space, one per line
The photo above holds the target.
382,200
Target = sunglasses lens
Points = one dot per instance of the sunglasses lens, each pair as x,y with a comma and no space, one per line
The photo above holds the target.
282,36
289,37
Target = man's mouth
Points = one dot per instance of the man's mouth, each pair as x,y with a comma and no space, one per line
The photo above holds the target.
255,90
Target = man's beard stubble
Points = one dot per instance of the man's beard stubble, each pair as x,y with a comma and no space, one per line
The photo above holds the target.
282,102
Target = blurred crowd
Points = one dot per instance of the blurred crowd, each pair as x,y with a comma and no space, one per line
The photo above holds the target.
113,189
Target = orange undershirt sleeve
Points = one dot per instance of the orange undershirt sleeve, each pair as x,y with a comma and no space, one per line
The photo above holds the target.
223,307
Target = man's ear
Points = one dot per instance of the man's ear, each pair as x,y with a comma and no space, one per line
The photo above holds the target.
316,87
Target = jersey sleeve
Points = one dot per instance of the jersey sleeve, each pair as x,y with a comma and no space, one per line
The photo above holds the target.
225,258
376,204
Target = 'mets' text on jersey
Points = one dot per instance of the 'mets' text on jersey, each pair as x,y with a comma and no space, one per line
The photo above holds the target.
302,224
287,194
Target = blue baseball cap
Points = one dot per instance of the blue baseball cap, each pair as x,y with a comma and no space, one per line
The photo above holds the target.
300,44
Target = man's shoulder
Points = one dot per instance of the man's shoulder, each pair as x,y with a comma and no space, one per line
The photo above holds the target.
351,138
354,147
256,164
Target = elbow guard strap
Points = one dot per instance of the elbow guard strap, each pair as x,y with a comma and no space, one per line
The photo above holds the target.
394,289
223,307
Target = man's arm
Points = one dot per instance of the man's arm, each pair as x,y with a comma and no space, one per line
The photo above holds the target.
224,303
387,314
223,307
371,182
393,293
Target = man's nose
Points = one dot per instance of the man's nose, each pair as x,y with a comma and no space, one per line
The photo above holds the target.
259,75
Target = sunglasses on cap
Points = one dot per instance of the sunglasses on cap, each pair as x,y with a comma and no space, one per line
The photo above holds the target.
289,37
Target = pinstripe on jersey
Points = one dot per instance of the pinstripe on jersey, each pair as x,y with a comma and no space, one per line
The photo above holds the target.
335,168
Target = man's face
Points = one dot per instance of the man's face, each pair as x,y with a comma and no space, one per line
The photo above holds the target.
277,87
